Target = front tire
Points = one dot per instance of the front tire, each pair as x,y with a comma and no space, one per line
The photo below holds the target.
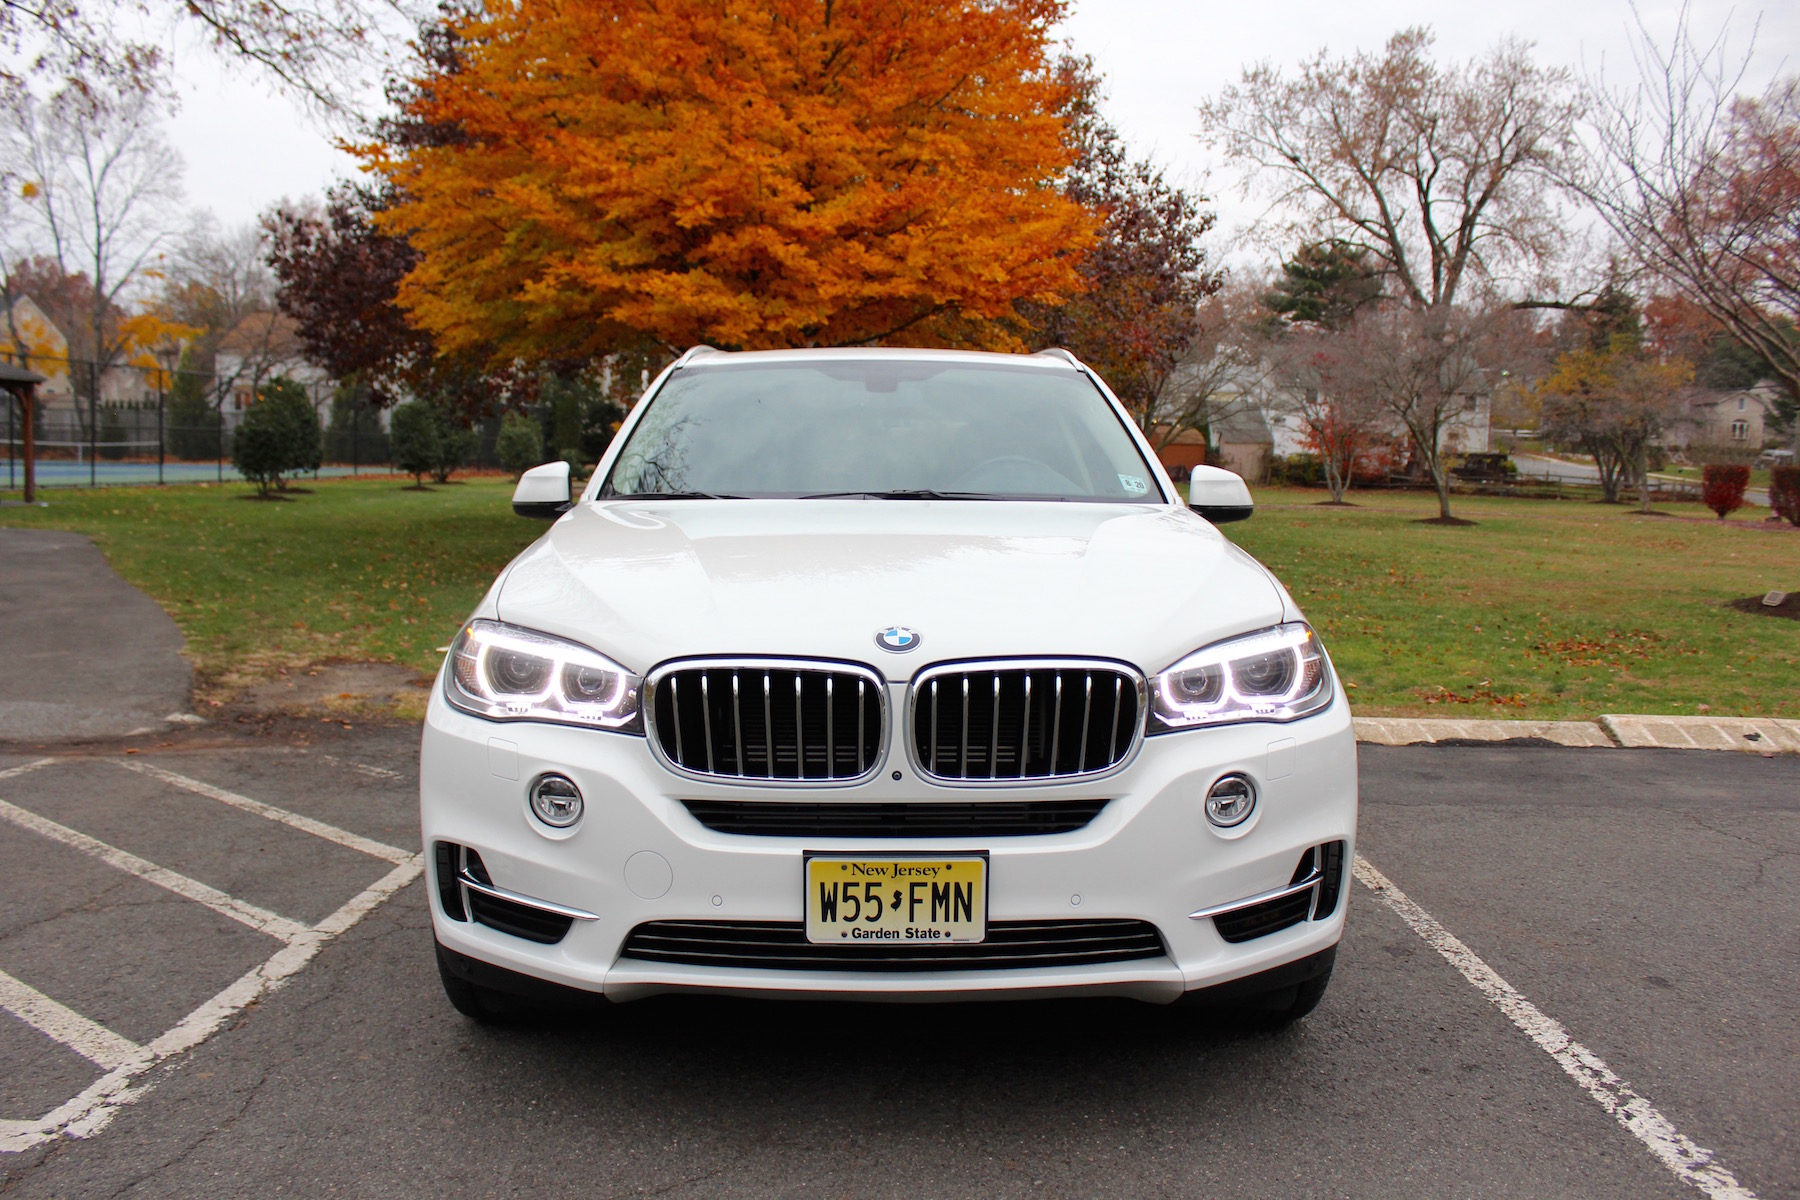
1272,999
1284,1006
504,997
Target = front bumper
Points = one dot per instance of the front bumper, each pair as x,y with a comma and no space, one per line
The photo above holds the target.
639,856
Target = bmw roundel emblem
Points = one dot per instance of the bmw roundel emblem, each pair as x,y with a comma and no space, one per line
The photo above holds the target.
897,638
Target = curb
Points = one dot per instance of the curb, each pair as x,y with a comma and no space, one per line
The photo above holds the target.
1767,736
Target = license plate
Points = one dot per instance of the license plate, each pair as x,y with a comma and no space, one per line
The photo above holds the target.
877,901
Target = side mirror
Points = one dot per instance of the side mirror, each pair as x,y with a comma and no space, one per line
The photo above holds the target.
1219,495
543,492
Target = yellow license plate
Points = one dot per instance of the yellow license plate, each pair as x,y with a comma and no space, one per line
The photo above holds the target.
876,901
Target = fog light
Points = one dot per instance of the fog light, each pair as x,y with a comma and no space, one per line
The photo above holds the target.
556,801
1230,801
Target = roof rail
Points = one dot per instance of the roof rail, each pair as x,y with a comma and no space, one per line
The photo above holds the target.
1058,352
693,352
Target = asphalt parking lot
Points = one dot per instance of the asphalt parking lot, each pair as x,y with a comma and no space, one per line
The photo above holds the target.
1645,900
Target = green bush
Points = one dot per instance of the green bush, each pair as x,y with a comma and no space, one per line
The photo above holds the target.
412,434
279,435
427,440
1297,470
520,445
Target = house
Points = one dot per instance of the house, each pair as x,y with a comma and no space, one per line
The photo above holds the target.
1740,418
1180,454
1245,442
31,340
256,350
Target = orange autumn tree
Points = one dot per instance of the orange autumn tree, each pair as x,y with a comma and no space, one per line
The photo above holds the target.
745,173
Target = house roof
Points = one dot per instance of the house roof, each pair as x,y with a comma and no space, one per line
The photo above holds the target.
1245,425
12,374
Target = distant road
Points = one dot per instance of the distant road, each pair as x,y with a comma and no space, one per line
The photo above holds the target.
1557,470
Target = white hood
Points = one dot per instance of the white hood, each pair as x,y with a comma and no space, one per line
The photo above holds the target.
645,582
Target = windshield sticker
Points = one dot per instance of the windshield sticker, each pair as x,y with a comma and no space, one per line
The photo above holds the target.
1135,485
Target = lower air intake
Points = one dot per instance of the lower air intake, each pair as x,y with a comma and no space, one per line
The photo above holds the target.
895,819
455,864
782,945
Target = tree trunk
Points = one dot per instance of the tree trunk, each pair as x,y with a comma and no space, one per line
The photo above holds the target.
1441,481
1643,469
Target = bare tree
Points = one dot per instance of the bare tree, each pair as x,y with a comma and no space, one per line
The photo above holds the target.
100,185
1222,371
1420,369
1702,186
1314,377
1442,174
322,51
1445,177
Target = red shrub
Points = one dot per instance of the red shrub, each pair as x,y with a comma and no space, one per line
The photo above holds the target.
1784,493
1723,488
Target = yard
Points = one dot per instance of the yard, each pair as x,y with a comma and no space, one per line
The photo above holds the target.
1542,609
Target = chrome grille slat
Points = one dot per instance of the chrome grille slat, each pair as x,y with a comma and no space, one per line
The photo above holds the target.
730,732
1005,721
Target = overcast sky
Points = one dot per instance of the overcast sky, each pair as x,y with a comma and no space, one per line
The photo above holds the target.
246,148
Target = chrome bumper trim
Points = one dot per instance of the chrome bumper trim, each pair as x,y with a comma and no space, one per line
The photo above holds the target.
561,910
1293,889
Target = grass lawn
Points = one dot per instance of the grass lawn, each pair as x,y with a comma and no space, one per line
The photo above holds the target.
1543,609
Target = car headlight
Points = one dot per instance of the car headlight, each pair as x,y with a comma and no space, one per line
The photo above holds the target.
1278,674
506,673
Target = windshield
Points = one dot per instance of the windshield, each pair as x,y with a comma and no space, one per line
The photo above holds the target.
918,429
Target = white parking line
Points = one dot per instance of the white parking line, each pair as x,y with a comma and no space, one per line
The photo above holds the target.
89,1113
93,1041
13,772
330,833
256,918
1690,1163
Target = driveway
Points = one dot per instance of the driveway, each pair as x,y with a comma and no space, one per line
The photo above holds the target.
87,655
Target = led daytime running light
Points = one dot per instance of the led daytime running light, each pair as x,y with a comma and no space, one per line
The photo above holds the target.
572,684
1218,685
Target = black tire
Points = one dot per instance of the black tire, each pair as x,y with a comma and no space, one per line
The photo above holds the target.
506,997
478,1003
1284,1006
1271,1000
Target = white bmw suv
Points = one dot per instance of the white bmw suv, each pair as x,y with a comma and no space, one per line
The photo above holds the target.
886,674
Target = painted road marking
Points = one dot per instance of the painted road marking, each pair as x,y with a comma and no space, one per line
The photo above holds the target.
260,919
1690,1163
90,1039
330,833
89,1113
13,772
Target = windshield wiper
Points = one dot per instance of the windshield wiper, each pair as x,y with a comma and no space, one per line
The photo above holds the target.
903,494
670,496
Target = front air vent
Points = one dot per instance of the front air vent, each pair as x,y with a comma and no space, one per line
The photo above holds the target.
788,721
466,892
1331,881
782,945
895,819
1313,892
1033,721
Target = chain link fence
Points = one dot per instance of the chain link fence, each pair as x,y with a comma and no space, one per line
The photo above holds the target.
149,426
